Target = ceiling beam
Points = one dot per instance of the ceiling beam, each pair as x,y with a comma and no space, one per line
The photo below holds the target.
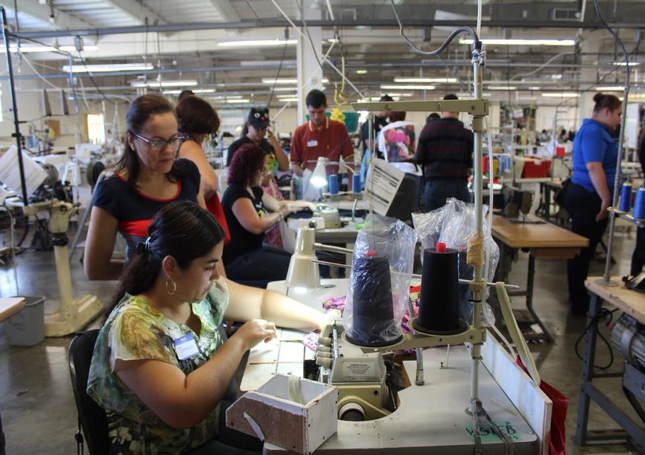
226,10
138,11
278,23
42,13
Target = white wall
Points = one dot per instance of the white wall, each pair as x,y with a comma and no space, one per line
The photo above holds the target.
567,118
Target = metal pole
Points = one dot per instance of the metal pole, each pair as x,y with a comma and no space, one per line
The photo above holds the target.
614,203
478,282
14,106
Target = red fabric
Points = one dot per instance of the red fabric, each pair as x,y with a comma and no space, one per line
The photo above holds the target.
331,140
137,228
214,206
558,441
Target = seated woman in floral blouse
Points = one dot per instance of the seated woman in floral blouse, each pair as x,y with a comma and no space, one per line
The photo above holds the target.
160,366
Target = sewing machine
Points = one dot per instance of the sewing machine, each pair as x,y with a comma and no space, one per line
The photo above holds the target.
367,382
518,202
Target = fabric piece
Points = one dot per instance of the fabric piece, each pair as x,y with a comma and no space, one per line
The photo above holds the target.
136,330
134,210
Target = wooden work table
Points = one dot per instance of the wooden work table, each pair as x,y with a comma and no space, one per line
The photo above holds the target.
542,241
536,236
633,379
10,306
630,302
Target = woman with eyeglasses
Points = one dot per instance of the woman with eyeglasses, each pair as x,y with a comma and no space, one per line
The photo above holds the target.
146,178
257,131
197,119
250,213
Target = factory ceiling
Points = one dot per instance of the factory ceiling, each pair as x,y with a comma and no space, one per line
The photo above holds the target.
188,39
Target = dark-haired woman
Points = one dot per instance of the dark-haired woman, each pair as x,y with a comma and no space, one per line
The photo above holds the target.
146,179
197,119
250,212
160,368
257,131
589,194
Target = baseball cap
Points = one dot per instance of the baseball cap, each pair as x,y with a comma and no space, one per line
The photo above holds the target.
259,117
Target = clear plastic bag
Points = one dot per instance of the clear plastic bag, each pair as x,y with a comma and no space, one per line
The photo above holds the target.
379,283
454,224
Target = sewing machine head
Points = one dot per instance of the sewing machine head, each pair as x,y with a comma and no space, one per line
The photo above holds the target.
516,201
329,214
367,383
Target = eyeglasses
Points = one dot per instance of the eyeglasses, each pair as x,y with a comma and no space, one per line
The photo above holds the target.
159,145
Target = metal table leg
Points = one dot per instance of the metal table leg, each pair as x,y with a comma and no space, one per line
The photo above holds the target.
529,299
587,371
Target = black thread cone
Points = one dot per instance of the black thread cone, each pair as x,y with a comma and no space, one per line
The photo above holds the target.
373,316
439,301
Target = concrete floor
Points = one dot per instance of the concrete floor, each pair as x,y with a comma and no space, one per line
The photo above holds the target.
37,404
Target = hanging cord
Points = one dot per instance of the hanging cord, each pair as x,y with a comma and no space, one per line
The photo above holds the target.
445,44
89,73
547,63
284,52
601,313
633,53
275,3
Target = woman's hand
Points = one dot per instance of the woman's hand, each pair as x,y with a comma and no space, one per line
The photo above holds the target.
603,210
254,331
286,209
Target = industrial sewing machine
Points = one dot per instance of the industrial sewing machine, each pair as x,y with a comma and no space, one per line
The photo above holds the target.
517,205
367,382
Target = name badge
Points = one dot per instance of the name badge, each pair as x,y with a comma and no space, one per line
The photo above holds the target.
186,347
312,143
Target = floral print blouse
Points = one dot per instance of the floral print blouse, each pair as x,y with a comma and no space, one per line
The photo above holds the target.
136,330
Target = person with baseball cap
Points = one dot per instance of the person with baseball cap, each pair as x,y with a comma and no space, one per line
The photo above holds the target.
257,132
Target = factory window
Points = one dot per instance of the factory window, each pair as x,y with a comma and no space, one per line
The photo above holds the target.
96,128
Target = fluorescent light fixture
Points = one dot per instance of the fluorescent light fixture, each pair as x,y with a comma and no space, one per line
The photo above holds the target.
257,43
556,77
425,80
332,40
502,87
34,49
284,80
108,67
289,100
236,101
361,71
225,97
561,95
534,87
623,63
523,42
285,89
611,88
406,87
157,84
195,91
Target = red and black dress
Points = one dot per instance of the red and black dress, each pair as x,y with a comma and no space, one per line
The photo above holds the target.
134,210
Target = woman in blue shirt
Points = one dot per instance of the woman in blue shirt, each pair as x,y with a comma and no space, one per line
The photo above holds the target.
590,193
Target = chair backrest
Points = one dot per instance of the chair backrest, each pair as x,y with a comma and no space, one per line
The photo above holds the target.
91,416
